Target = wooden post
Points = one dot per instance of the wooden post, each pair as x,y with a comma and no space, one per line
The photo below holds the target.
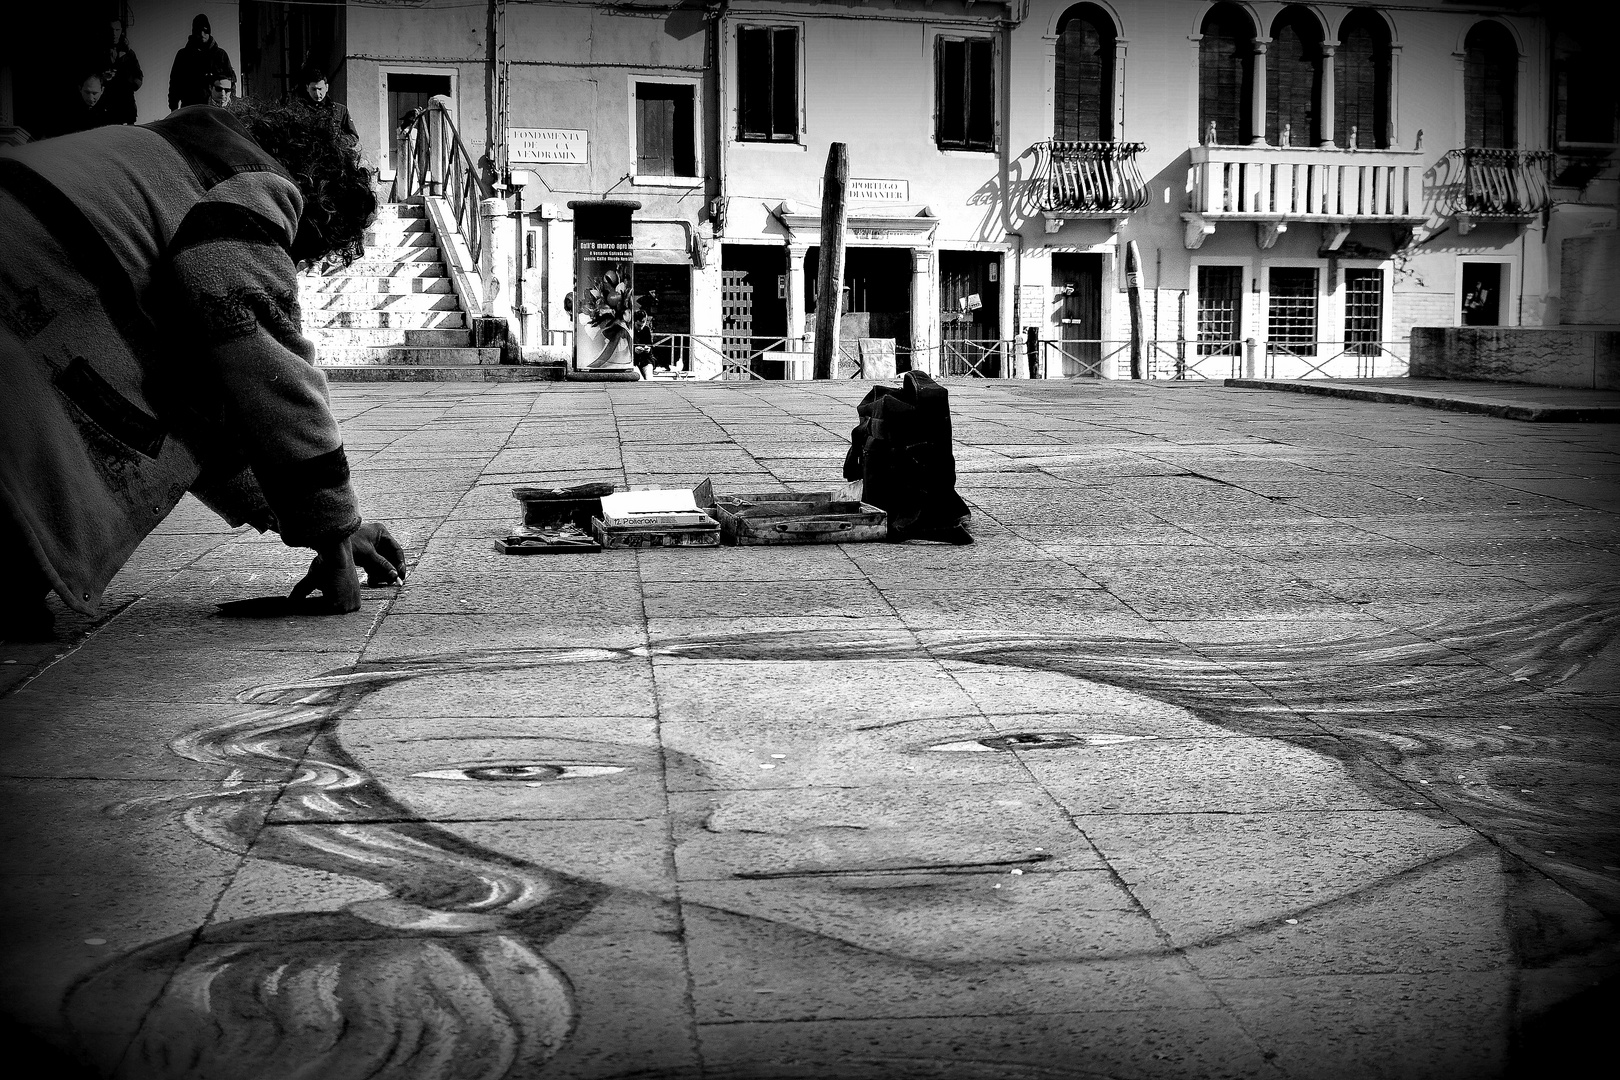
1133,289
830,274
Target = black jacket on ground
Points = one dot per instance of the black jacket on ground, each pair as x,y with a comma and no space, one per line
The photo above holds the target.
188,78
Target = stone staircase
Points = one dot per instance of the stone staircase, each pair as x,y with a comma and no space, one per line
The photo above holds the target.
393,316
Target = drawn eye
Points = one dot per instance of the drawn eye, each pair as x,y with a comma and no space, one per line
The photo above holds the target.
1035,740
530,773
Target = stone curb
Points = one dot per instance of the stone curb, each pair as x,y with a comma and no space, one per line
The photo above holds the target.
1563,414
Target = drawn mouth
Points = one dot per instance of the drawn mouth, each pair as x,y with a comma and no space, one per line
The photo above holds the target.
988,867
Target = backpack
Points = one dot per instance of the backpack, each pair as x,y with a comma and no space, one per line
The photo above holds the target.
901,451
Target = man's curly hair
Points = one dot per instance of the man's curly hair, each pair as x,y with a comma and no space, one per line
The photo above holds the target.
337,186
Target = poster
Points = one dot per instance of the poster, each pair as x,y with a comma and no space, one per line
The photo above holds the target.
604,307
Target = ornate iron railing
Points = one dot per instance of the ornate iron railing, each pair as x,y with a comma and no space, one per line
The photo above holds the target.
1091,177
437,163
1485,182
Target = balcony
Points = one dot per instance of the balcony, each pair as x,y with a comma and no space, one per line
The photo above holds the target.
1089,180
1483,185
1275,185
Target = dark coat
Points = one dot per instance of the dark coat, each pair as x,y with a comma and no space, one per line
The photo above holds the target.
329,111
188,78
150,346
119,98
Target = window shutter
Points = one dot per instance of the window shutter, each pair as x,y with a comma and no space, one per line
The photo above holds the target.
949,75
1292,63
1490,87
1223,56
754,82
981,94
785,84
1361,83
1083,109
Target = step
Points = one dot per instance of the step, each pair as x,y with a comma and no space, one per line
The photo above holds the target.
400,210
333,337
403,356
377,302
385,256
463,373
386,268
394,239
341,319
367,283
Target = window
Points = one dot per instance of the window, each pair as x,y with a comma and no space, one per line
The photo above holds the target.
1361,72
1291,314
1084,98
1363,311
1586,99
1220,310
1293,79
768,83
1225,76
964,94
666,143
1490,86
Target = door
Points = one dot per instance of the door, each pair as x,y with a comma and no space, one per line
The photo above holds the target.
753,310
405,94
970,314
1481,294
1078,279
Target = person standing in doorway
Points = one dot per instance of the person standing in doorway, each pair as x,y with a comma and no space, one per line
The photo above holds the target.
188,78
120,78
313,93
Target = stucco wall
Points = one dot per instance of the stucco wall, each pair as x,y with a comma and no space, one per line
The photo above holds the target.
1543,356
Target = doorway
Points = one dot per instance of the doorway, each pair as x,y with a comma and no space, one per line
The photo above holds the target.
970,314
877,296
1078,280
1482,294
403,93
753,310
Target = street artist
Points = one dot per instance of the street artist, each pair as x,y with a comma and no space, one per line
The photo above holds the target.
150,346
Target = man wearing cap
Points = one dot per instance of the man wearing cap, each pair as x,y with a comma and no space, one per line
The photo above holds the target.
202,56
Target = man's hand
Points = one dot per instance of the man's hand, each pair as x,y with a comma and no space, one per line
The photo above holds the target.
378,554
372,548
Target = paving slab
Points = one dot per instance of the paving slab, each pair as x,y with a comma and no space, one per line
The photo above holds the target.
1257,735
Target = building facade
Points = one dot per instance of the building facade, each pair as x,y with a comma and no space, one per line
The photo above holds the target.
1300,184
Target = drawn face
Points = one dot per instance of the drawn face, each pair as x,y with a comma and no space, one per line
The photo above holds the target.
90,90
316,90
920,808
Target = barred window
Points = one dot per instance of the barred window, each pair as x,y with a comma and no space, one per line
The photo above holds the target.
1363,310
768,83
1220,310
964,94
1291,316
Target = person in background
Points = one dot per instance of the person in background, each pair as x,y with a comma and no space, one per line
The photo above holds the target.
150,347
221,87
120,78
188,78
312,94
88,109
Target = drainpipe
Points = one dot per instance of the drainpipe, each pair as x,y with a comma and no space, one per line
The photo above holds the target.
717,64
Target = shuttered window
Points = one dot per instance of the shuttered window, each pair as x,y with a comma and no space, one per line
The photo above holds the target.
1084,86
964,94
1225,75
768,83
665,137
1361,73
1293,79
1490,86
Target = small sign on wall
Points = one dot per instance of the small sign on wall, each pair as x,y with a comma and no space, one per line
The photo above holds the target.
546,146
868,190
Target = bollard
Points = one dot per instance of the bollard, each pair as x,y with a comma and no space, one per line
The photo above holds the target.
1248,358
1032,343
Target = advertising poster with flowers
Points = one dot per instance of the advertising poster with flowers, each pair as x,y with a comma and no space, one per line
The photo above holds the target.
605,307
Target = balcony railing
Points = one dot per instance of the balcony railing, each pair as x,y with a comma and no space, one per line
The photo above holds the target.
1485,184
1090,179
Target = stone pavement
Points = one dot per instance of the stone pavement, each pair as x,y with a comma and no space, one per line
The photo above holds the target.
1258,735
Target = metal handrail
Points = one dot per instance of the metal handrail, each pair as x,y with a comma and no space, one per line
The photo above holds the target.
1091,177
1491,182
438,163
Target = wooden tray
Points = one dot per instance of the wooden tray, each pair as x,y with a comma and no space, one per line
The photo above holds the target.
657,536
791,517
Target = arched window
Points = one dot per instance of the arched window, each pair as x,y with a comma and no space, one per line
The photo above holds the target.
1490,86
1294,79
1083,105
1225,75
1361,82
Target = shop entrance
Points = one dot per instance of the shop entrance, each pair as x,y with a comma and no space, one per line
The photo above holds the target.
970,314
877,296
753,309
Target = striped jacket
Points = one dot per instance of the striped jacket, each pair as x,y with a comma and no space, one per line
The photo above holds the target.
150,346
